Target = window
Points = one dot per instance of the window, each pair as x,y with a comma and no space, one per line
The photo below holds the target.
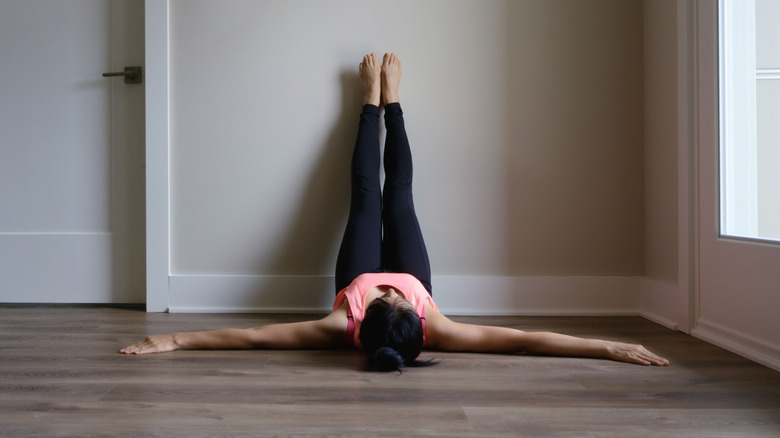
749,115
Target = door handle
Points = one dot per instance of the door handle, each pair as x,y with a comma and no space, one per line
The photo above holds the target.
133,75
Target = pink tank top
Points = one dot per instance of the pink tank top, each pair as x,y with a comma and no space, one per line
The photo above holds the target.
355,294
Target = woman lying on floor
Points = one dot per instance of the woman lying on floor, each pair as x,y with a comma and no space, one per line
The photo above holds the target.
383,278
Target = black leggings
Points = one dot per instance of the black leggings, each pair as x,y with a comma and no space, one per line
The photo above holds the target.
364,248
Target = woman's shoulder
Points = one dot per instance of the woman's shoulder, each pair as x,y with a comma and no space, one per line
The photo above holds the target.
336,321
436,325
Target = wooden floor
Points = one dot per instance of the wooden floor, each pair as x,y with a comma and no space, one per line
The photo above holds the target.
61,375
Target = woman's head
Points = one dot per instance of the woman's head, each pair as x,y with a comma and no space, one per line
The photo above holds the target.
391,334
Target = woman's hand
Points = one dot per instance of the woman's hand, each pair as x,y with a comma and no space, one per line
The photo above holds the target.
152,344
633,354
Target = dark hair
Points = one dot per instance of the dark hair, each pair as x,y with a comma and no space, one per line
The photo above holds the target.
392,337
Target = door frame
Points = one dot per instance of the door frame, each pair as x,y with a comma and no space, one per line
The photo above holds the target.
157,155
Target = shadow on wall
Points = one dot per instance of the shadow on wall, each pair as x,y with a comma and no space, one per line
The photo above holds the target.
575,193
314,233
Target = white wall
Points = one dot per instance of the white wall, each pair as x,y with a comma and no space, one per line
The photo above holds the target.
525,120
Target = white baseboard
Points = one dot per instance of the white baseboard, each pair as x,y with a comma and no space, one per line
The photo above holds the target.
455,295
757,350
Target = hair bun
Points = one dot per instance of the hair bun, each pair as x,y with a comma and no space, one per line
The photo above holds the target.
386,359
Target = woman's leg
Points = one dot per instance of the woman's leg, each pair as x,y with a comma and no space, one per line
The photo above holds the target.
361,246
403,246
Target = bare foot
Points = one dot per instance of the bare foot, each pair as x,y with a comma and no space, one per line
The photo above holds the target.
391,77
370,75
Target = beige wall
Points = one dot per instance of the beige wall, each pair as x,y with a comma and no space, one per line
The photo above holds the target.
525,117
575,162
666,288
661,141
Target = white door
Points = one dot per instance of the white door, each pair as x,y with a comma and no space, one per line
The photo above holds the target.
72,152
738,293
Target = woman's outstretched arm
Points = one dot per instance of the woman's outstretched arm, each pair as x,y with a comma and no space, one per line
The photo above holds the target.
448,335
323,333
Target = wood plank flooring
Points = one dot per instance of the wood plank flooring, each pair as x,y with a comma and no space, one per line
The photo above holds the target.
61,375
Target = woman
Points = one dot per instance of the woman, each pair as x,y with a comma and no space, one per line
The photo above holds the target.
384,302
